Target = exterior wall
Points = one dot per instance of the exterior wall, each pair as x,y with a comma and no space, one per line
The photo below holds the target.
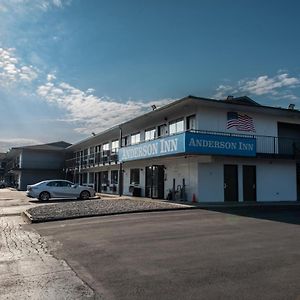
42,159
269,180
32,177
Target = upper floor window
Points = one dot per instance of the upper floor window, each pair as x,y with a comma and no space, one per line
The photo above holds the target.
105,147
150,134
115,145
98,148
176,126
135,138
191,122
124,141
162,130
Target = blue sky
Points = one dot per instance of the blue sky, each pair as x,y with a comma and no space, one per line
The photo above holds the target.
69,68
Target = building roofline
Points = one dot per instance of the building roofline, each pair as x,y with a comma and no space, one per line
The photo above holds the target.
241,101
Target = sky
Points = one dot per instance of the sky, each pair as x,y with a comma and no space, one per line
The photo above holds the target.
70,68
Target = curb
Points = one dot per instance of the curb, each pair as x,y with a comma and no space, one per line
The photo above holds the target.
27,216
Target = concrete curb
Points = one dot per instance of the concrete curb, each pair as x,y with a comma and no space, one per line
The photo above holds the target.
29,219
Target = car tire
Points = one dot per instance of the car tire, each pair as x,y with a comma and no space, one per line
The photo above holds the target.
44,196
84,195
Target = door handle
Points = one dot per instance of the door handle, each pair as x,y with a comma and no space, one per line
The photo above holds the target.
225,185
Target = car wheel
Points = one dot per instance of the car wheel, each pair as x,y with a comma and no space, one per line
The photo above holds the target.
44,196
84,195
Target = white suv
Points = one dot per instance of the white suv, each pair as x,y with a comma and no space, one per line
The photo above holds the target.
47,189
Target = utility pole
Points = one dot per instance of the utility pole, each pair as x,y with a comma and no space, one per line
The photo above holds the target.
120,166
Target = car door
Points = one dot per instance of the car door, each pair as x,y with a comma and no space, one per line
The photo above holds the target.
55,189
68,190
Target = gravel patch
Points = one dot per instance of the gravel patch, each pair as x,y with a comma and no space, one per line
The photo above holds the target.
99,207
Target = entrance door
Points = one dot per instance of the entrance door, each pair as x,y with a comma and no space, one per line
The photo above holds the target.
249,183
231,183
155,182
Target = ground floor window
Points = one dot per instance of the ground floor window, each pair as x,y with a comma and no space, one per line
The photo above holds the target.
134,176
91,178
84,178
114,177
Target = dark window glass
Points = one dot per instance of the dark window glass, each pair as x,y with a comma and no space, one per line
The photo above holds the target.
191,122
134,176
114,177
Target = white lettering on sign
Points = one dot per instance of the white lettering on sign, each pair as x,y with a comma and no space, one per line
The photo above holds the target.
168,146
152,149
201,143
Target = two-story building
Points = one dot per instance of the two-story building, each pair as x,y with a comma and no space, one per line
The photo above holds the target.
196,149
2,165
31,164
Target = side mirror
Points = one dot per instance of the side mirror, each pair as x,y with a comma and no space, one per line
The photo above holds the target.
74,186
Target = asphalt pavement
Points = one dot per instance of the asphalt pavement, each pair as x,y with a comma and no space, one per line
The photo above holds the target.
197,254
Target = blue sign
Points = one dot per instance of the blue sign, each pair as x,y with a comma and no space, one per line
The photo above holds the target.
196,143
190,143
170,145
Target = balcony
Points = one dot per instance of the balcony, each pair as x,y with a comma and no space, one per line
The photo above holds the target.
92,160
213,143
12,165
196,142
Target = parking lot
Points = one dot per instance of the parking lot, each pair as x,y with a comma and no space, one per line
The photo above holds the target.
198,254
212,253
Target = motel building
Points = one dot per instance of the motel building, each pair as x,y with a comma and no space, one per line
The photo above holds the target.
196,149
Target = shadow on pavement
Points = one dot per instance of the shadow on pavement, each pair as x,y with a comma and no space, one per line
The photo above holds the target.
283,214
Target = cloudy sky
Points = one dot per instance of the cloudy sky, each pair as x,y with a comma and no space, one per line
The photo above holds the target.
69,68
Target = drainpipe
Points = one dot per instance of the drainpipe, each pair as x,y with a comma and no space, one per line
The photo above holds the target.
120,166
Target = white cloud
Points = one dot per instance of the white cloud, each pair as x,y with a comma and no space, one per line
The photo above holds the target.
5,144
51,77
90,112
279,86
28,6
12,71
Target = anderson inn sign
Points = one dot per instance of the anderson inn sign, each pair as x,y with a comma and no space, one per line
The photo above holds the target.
191,143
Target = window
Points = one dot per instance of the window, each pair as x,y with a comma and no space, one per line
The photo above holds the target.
135,138
134,176
65,184
115,146
191,122
98,148
176,126
84,178
150,134
91,178
162,130
114,177
124,141
105,147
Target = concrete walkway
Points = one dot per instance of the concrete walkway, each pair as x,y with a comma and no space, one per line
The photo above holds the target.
27,269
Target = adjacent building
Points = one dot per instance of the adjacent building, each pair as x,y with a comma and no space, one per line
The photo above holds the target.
2,165
196,149
31,164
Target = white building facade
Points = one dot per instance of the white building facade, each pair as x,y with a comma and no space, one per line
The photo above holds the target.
196,149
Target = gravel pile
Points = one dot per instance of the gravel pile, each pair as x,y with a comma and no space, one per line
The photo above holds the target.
99,207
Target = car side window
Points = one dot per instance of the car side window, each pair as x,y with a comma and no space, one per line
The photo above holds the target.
65,184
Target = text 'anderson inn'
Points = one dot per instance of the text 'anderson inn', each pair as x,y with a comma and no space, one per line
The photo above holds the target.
196,149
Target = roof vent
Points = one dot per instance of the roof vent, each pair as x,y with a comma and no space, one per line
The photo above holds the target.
291,106
229,98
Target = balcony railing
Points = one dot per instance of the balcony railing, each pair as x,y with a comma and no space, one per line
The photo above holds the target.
12,165
92,160
266,146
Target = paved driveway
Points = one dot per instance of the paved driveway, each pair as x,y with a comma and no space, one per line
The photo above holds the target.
184,255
